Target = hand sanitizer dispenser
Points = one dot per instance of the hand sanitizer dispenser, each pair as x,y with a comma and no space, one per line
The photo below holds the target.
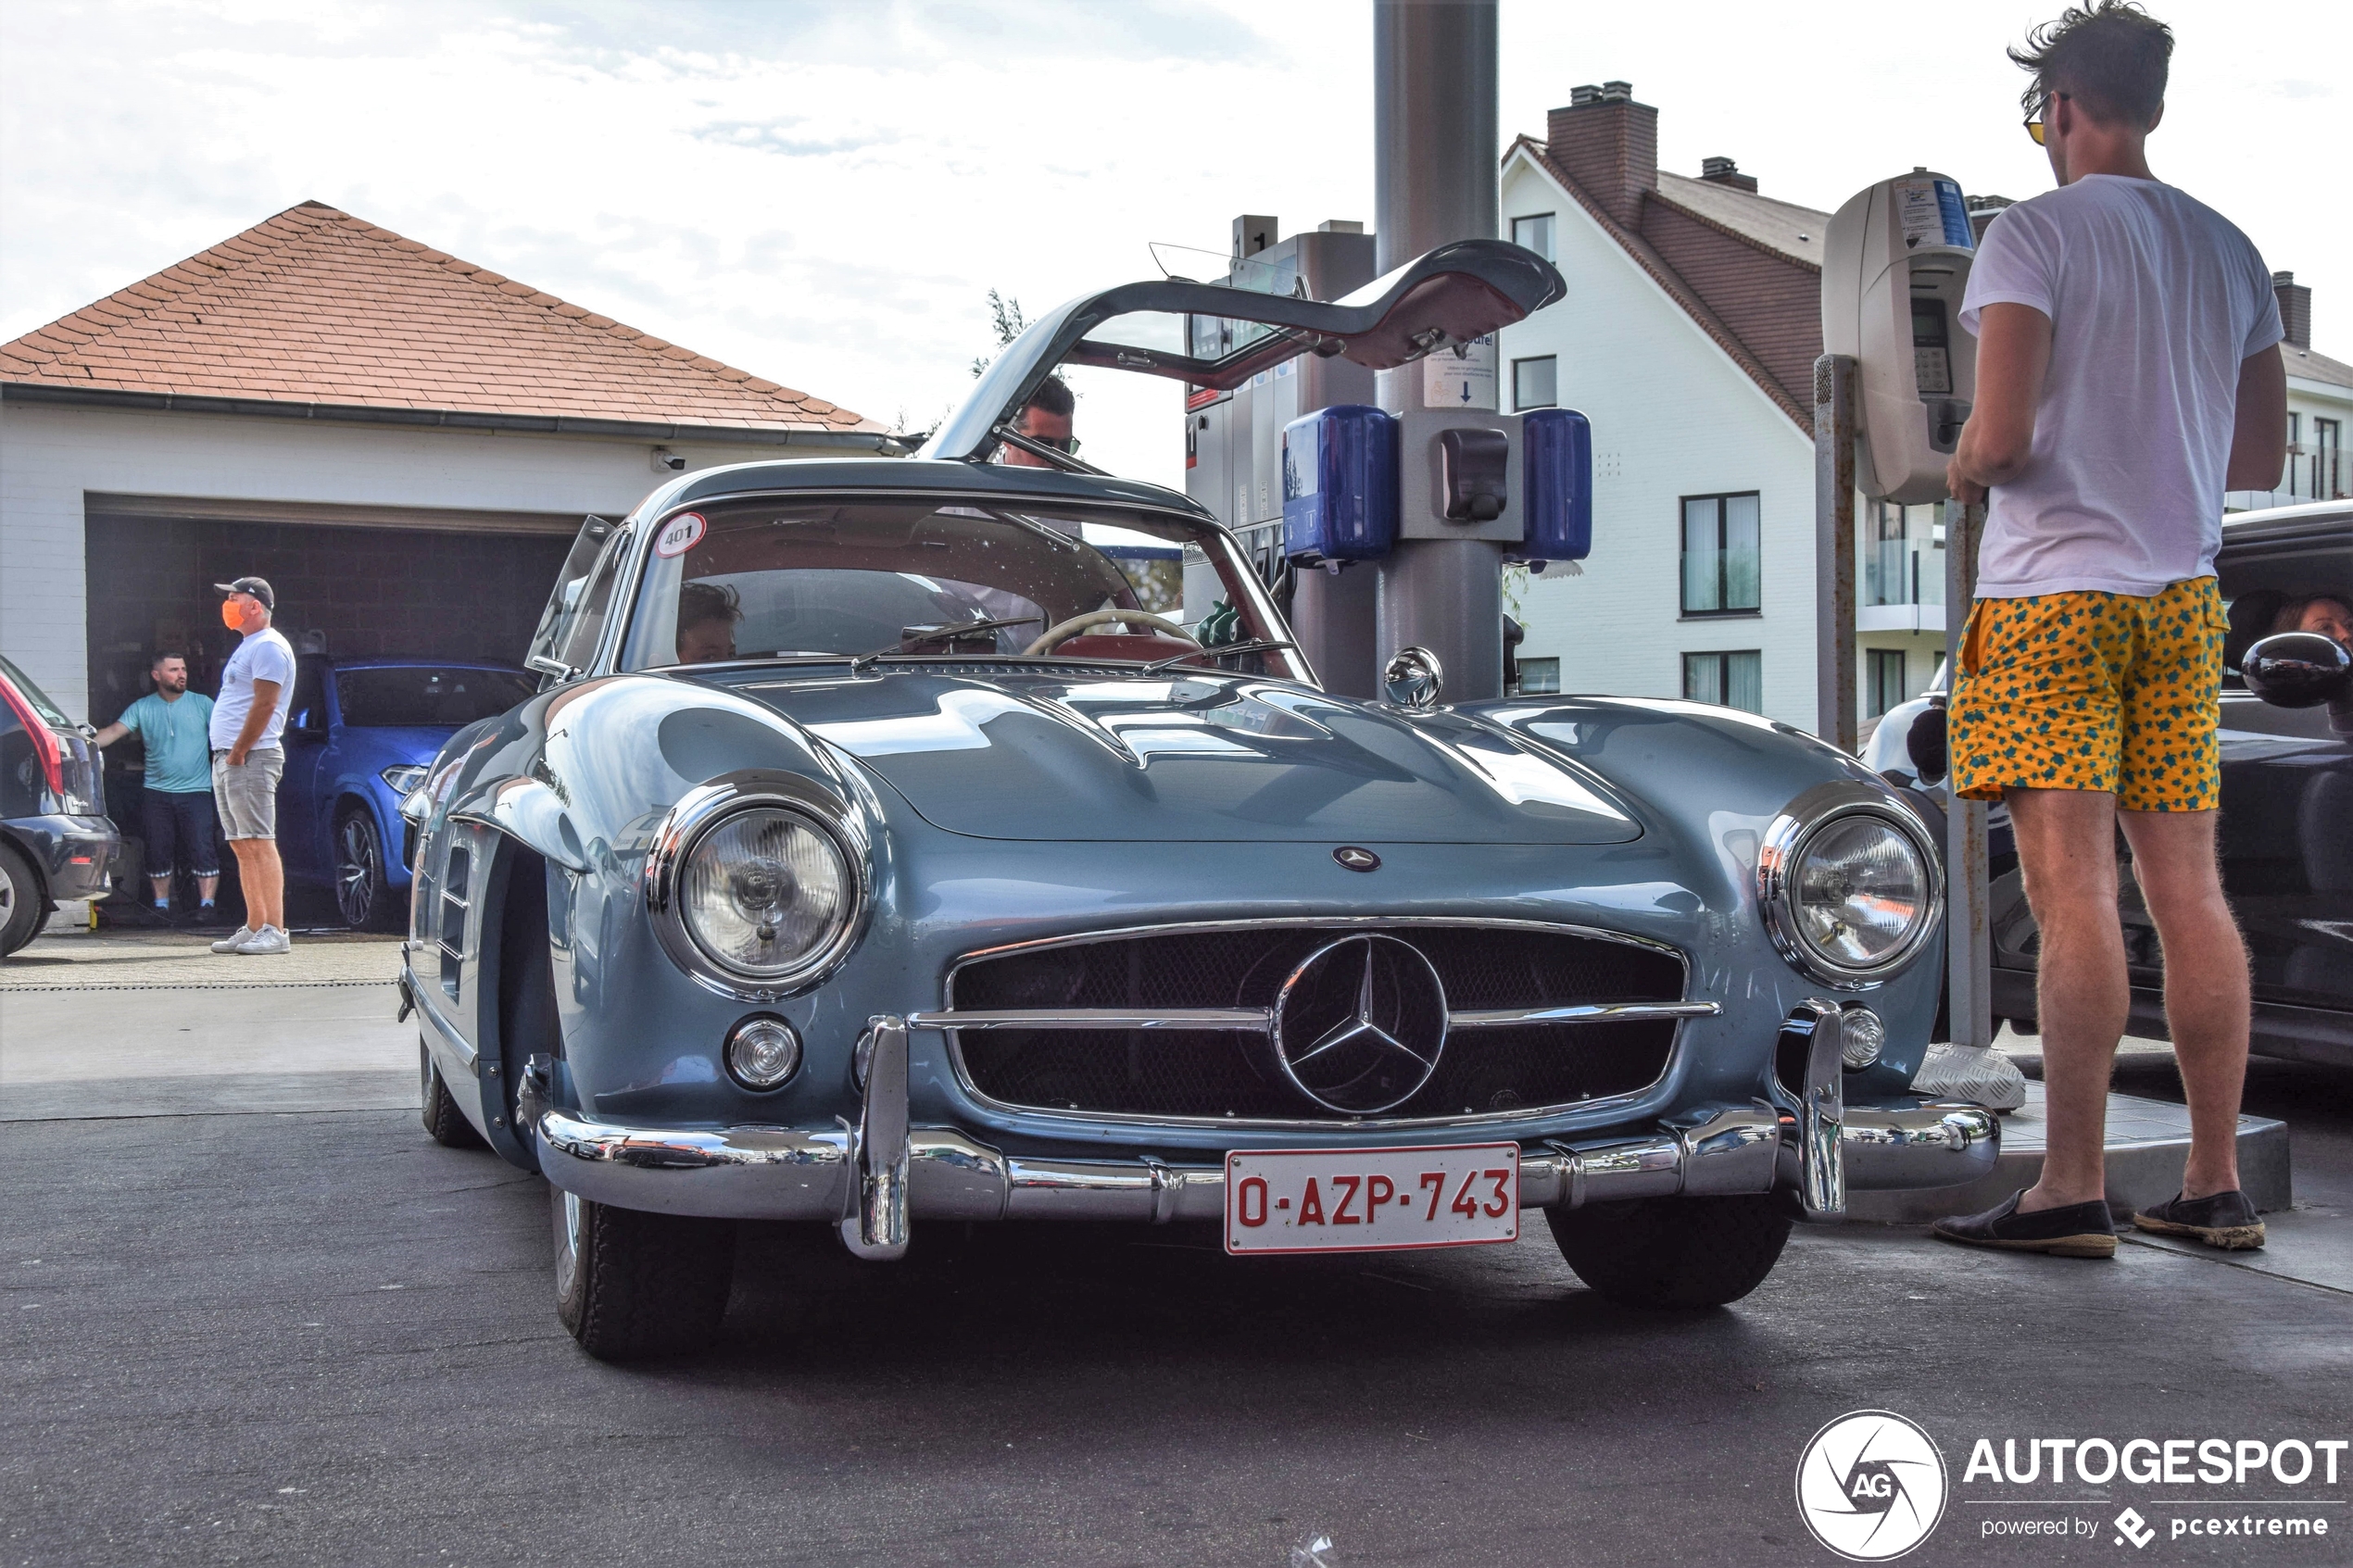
1895,261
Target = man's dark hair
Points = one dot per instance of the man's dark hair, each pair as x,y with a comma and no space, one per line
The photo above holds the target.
1053,397
701,602
2110,57
162,654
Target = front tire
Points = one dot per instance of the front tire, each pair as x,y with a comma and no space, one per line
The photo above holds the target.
1673,1251
362,893
439,1108
630,1285
19,900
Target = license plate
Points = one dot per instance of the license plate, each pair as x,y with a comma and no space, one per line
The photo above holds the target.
1371,1199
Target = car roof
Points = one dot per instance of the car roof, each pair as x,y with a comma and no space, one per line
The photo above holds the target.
419,662
2287,550
999,480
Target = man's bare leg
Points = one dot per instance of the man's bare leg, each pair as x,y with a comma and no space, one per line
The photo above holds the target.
2206,983
2067,851
263,878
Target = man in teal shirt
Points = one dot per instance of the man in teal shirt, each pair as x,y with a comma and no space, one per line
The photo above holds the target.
172,722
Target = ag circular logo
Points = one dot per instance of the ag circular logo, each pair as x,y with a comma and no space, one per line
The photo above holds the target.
1360,1023
1870,1486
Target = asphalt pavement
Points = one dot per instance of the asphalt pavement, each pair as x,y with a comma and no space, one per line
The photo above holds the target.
240,1328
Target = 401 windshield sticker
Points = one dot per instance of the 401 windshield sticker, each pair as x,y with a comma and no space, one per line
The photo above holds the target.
680,534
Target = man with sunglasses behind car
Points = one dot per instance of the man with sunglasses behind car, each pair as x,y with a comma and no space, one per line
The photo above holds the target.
2127,372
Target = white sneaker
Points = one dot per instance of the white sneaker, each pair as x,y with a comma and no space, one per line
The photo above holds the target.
235,940
269,939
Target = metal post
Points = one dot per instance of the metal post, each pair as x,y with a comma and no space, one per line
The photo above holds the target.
1435,173
1968,953
1834,432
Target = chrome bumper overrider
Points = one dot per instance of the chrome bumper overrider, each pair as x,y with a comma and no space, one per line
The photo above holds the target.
872,1177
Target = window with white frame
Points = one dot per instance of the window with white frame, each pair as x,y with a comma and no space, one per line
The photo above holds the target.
1735,679
1536,383
1535,232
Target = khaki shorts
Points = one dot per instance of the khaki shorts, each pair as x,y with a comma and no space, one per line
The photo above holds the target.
2090,691
247,796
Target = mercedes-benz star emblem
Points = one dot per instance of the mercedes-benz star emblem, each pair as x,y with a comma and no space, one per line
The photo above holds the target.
1357,859
1360,1023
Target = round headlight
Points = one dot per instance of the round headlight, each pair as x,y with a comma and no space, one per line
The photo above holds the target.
765,891
1849,885
1861,892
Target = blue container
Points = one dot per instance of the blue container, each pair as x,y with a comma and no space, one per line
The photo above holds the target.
1556,463
1339,484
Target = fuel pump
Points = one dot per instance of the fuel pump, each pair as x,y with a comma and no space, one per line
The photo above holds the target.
1895,264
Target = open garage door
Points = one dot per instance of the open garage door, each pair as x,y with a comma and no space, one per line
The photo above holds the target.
354,582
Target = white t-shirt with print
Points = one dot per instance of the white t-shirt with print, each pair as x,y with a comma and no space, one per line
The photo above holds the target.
263,655
2154,299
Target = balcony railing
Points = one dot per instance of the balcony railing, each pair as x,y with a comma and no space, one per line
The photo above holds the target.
2312,472
1896,571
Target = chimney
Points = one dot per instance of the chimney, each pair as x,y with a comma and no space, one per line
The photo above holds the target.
1982,211
1724,171
1608,144
2296,308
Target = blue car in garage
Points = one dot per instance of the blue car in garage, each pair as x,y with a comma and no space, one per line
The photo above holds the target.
359,736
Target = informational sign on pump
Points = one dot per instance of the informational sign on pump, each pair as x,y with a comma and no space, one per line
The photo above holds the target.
1895,262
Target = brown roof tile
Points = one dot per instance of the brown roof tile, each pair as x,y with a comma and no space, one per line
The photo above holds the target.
314,306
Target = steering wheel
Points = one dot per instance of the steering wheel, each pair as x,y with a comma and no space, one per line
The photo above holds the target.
1054,636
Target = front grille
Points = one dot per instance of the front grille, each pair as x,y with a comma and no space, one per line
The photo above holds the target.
1222,1074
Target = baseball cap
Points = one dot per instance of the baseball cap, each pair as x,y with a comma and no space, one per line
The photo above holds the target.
259,587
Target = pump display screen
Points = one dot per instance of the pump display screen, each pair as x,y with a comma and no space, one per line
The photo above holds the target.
1931,355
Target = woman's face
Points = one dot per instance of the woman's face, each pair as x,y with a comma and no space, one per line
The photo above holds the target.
2330,618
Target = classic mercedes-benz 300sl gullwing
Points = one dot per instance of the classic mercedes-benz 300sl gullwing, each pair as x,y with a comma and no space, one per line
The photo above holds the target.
907,842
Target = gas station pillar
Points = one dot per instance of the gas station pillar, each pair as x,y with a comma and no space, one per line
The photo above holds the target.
1435,173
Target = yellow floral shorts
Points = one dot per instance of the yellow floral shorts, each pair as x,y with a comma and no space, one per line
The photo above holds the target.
2094,691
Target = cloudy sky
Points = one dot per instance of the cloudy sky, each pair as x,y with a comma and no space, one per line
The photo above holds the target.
825,193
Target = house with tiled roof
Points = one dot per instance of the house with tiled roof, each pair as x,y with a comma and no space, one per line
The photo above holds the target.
402,442
2320,411
1688,337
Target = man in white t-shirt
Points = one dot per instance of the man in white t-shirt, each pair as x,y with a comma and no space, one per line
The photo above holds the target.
2127,372
248,718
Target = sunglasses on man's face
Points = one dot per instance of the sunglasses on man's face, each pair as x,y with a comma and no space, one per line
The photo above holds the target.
1067,444
2034,125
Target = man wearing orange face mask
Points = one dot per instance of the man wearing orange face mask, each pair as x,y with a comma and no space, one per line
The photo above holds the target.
248,718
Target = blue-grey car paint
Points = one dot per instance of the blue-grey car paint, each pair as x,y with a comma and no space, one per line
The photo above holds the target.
583,772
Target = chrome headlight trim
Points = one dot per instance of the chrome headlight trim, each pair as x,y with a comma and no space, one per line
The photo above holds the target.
1783,849
705,807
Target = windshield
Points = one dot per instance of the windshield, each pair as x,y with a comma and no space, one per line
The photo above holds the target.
412,697
759,580
51,714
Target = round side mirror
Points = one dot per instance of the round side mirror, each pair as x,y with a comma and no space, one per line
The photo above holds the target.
2298,669
1413,678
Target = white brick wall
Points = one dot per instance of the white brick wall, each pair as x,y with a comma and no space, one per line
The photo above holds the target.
1673,416
50,455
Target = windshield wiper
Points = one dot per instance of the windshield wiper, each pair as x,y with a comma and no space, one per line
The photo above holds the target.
1259,644
915,636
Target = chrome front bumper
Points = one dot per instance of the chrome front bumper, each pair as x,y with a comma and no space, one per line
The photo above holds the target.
875,1177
